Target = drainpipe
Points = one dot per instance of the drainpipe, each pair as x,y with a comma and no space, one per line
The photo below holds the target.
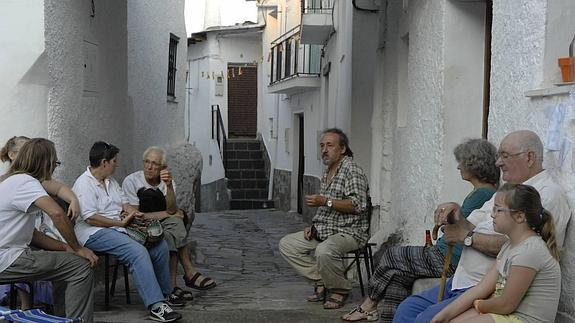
275,159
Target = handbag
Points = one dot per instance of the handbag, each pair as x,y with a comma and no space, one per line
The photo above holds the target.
146,233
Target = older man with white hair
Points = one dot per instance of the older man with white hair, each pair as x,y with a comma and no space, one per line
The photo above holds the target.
520,159
153,192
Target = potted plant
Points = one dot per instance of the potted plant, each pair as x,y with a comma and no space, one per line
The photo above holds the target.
567,65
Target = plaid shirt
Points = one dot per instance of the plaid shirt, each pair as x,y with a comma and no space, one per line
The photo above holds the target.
348,183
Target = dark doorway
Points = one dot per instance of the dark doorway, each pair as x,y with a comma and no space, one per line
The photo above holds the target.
487,67
242,100
301,164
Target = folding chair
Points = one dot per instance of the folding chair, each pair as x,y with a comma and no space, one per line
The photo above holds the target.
364,252
110,290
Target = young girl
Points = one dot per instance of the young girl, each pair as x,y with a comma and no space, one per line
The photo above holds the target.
525,282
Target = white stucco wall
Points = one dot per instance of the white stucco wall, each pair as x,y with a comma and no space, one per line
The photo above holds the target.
77,118
427,100
519,63
214,55
364,45
157,119
23,70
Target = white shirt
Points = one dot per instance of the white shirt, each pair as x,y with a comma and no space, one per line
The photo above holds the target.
17,196
133,182
473,264
96,199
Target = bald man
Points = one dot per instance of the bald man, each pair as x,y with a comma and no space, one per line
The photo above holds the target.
520,158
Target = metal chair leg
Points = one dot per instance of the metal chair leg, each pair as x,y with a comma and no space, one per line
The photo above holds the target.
107,281
366,261
114,278
358,264
127,284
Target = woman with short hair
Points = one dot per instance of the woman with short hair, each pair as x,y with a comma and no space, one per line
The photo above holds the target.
400,266
101,227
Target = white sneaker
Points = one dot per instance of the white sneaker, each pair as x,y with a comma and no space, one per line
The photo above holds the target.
164,313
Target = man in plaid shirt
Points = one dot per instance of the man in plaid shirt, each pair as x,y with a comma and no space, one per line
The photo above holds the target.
340,225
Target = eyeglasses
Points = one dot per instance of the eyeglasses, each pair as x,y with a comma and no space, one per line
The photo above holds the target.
57,163
505,156
497,210
153,163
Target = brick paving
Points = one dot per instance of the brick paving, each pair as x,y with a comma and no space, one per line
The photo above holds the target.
239,249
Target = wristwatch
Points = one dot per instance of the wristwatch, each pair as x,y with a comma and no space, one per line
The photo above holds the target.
468,241
329,203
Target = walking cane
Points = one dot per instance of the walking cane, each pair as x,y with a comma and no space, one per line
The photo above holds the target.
446,264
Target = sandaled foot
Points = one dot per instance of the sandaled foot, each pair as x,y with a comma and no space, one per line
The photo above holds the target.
335,301
198,281
318,295
185,294
358,314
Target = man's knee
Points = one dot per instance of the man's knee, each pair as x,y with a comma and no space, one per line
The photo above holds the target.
327,250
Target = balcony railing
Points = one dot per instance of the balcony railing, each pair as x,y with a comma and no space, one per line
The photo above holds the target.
316,6
290,59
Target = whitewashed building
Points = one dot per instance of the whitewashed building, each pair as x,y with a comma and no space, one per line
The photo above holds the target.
80,71
451,69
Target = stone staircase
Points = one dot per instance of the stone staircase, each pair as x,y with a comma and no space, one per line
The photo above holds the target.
247,174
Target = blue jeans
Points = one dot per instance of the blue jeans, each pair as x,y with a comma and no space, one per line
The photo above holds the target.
149,267
422,307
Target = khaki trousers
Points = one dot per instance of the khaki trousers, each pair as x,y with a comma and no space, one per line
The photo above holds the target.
325,267
58,266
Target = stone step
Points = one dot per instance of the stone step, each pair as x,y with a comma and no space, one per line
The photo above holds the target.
255,193
241,154
245,174
244,164
251,204
243,145
247,183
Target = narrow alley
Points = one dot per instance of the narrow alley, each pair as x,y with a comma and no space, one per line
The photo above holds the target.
239,249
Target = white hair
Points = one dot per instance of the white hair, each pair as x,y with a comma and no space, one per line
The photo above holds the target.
158,149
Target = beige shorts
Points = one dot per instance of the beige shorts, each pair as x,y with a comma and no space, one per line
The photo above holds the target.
175,232
509,318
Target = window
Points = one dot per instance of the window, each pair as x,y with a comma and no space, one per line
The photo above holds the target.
172,65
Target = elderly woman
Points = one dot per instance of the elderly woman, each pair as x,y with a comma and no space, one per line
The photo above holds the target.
101,227
21,195
400,266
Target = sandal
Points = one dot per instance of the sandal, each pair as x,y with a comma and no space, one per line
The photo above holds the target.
203,284
332,303
185,294
366,315
317,296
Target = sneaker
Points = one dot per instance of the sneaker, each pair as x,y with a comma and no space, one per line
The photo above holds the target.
164,313
176,300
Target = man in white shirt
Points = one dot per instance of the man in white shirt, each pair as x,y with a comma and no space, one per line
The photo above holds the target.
520,159
156,180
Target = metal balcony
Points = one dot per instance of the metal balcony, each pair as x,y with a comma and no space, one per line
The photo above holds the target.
316,21
294,67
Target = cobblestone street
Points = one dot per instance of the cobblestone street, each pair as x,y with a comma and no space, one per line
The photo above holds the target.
239,250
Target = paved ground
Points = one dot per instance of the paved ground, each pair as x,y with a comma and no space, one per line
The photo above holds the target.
239,250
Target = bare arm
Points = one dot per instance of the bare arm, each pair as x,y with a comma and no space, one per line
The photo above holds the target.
98,220
518,281
343,206
459,227
171,205
42,241
160,215
64,226
464,302
62,191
